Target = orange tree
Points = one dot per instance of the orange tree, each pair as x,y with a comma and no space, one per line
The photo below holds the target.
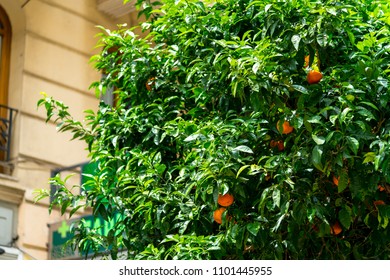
282,104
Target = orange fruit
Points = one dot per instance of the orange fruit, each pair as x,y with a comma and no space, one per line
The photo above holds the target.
379,202
307,59
286,128
150,83
336,180
336,228
273,143
380,188
225,200
218,215
279,144
314,77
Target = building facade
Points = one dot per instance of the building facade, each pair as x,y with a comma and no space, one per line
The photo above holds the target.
45,46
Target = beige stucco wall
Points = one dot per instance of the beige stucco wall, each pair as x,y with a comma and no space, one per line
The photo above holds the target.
53,41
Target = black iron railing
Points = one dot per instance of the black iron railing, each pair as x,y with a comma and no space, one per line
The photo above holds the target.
7,115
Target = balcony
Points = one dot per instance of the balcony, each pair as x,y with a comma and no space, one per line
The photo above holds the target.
115,8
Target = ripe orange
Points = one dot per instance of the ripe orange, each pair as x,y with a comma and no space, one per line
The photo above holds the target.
218,215
286,128
225,200
380,188
379,202
279,144
336,228
336,180
314,77
150,83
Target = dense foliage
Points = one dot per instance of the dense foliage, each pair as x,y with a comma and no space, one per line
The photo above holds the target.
199,111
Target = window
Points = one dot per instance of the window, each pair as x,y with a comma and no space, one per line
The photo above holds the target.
6,113
82,173
5,48
6,224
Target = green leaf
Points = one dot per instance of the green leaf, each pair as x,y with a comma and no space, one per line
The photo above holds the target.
194,137
339,202
369,157
353,144
369,104
316,157
366,113
242,168
333,119
301,89
343,180
255,67
114,141
356,185
322,39
279,221
315,119
244,149
263,199
276,197
329,136
308,126
183,227
295,39
320,140
344,114
383,215
65,205
253,228
351,36
267,7
345,218
332,10
160,168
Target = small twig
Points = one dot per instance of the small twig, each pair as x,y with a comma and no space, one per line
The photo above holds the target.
322,248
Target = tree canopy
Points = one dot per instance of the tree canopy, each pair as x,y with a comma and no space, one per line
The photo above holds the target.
282,105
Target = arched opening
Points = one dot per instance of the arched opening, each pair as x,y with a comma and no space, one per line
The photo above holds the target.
6,114
5,51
